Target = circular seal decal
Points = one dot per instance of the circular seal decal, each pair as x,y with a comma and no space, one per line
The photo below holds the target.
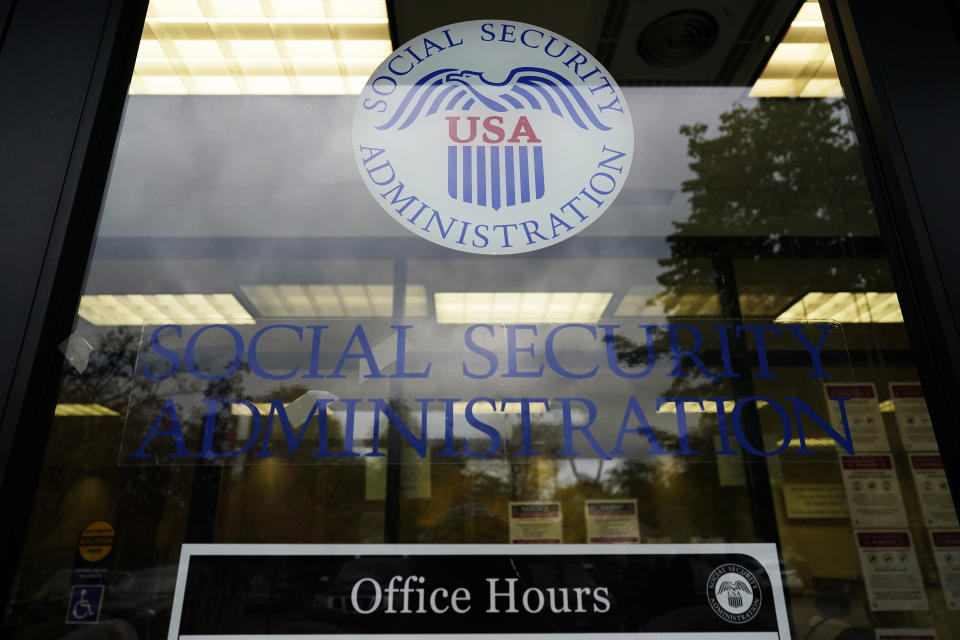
493,137
734,593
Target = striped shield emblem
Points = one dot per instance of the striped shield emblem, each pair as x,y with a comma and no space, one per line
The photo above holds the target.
495,175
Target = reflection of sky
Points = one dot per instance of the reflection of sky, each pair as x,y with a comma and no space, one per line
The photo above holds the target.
283,166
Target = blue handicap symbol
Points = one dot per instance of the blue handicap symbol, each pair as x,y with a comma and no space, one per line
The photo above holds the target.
84,605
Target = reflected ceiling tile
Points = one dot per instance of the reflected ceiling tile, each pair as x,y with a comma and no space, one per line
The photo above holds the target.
332,301
266,85
75,410
140,309
234,8
708,407
531,306
845,307
801,65
277,47
212,85
299,8
358,9
174,8
253,49
169,85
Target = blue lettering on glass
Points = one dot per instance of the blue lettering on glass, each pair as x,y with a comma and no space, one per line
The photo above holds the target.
163,351
191,358
255,362
513,350
562,356
488,355
483,427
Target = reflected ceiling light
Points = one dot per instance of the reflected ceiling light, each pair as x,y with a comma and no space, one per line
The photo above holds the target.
708,407
179,308
687,301
72,410
802,64
333,300
810,442
263,408
845,307
280,47
527,306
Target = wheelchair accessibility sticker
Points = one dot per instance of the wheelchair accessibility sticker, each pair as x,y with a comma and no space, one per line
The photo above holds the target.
84,606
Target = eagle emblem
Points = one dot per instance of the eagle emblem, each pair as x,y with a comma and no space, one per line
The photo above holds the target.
505,169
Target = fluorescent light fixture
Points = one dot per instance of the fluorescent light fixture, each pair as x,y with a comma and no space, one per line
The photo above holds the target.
180,308
687,301
263,408
333,300
708,407
277,47
65,410
802,65
471,307
845,307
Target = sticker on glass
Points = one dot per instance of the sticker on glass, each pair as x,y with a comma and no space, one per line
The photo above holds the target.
493,137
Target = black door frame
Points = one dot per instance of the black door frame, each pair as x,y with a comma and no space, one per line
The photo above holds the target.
899,67
65,67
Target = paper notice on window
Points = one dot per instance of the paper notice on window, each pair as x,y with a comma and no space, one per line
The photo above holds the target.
815,501
863,415
946,552
933,492
890,571
612,521
906,634
913,420
536,523
873,491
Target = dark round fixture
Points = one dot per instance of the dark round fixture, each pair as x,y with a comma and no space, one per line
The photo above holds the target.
678,38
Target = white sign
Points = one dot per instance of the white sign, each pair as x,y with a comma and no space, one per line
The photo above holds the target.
890,571
863,414
532,522
873,491
933,492
913,420
612,521
481,592
493,137
946,552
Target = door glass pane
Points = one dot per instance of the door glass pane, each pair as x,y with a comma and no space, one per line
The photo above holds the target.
263,356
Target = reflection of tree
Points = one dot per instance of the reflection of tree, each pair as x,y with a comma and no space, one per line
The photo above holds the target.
774,168
776,171
82,480
775,181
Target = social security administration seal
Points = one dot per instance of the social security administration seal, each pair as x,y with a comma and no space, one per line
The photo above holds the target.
493,137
